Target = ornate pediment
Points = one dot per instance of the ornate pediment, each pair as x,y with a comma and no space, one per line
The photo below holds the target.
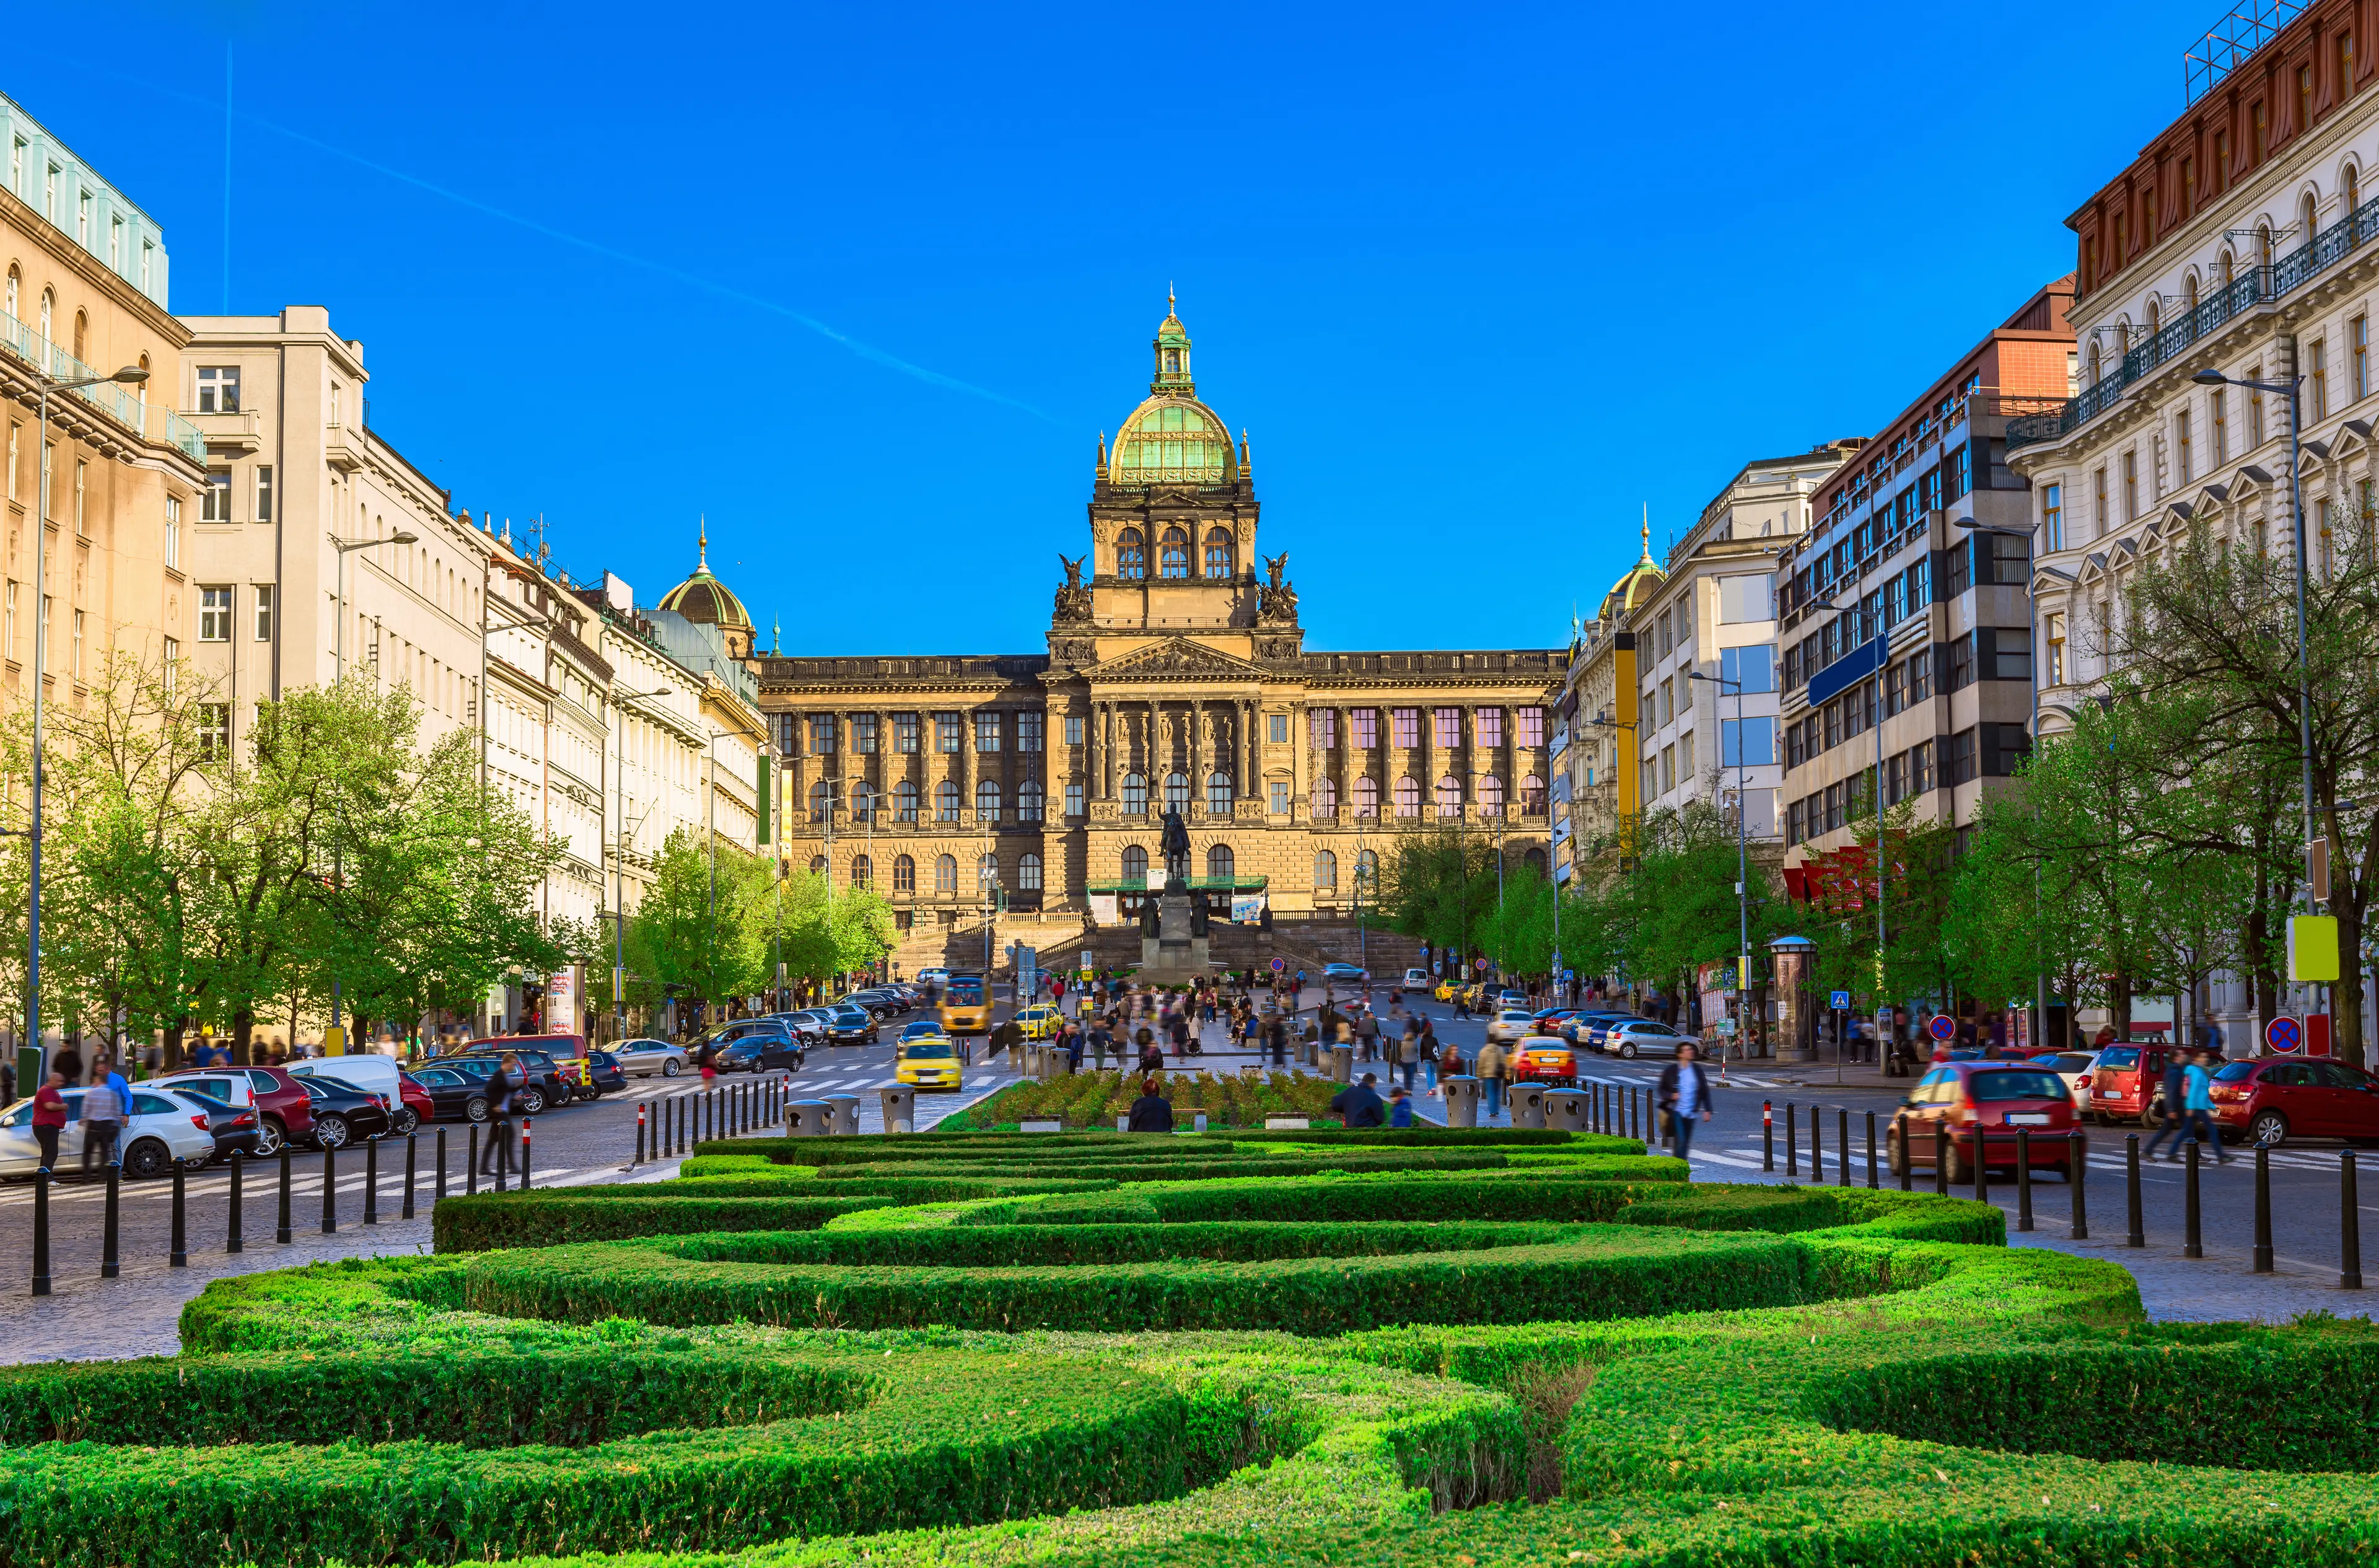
1176,658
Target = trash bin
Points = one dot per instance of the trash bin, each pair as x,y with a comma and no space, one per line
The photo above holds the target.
1527,1105
1342,1064
1461,1100
808,1118
899,1107
846,1114
1567,1109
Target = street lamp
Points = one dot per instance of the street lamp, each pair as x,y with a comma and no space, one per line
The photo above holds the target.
29,1067
1874,632
341,546
1743,870
2032,610
620,865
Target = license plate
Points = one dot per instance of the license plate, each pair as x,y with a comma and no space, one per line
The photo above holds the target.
2028,1118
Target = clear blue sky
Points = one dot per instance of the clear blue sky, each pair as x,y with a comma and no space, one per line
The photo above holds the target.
862,284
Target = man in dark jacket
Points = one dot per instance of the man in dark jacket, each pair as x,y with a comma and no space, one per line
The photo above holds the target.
1152,1111
1359,1105
2175,1118
1684,1094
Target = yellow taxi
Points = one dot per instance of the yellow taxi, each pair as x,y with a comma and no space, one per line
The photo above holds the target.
1039,1022
1543,1058
927,1061
1445,992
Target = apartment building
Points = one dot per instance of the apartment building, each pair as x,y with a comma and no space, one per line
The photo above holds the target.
1907,604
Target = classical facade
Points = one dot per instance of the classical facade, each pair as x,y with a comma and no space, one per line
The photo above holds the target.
1176,673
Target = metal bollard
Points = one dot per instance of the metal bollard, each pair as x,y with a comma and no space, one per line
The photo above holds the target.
178,1254
232,1242
2024,1179
41,1231
2263,1264
1874,1173
524,1187
411,1153
471,1162
107,1265
500,1137
1982,1164
1767,1135
1817,1145
2138,1232
1792,1141
2192,1244
640,1138
330,1191
2077,1174
281,1226
2350,1227
1941,1158
1843,1148
437,1193
371,1181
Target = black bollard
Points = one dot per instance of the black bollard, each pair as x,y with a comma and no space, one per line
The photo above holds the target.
371,1181
1792,1141
178,1252
281,1226
640,1138
1874,1175
2077,1173
1941,1158
1982,1164
1842,1147
2138,1234
2192,1244
1817,1145
2024,1179
2350,1227
329,1189
499,1134
412,1149
107,1266
1767,1135
524,1187
439,1192
2263,1264
231,1236
41,1231
471,1163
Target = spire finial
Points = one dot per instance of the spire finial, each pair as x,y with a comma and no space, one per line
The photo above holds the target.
702,542
1648,530
1169,301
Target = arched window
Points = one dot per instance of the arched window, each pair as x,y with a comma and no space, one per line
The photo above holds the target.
82,337
1219,862
1218,794
1325,871
862,872
2228,265
1535,860
2350,187
1490,795
1131,556
946,801
1135,795
817,865
1028,801
1408,797
2188,296
1221,557
49,319
1449,796
1326,798
1135,863
1367,797
1173,553
1532,796
1367,869
2264,247
862,802
2305,219
15,280
2155,317
904,802
2094,362
946,874
986,799
1028,873
1176,793
820,796
986,873
904,875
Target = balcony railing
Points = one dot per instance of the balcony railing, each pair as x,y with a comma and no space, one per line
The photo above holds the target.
126,407
2253,287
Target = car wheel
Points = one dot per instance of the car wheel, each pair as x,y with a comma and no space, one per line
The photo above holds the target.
2150,1117
670,1067
146,1160
1896,1149
331,1130
2268,1128
532,1102
270,1137
1628,1050
1958,1172
475,1108
406,1120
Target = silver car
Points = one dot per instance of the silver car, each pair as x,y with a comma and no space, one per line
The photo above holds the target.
1512,1023
642,1058
1642,1037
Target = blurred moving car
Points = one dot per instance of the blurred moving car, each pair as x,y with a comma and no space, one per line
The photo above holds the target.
1983,1104
1510,1024
928,1061
1345,975
1543,1058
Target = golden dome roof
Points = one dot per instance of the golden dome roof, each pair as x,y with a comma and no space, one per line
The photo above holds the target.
703,598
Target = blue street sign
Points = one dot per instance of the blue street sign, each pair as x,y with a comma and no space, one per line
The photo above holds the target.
2283,1033
1278,965
1842,1001
1941,1026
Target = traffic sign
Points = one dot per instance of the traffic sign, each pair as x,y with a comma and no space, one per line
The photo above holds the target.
1941,1026
1842,1001
1478,964
1279,965
2283,1033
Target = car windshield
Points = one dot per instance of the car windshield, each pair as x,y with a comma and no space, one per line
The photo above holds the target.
1513,1015
966,990
2119,1056
205,1102
2015,1085
920,1050
2236,1072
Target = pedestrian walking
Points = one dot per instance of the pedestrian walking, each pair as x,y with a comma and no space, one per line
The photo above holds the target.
504,1085
1367,1032
1276,1036
1491,1067
2197,1103
1684,1094
1408,1054
49,1117
68,1061
1428,1047
2176,1082
103,1118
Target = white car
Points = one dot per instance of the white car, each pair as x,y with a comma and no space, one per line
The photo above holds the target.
1510,1024
2077,1069
933,977
1643,1037
1418,980
642,1058
162,1128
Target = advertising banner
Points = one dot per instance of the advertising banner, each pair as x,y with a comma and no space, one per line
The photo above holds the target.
1102,909
1247,909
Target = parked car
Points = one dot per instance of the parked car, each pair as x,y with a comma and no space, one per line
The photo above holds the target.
933,977
609,1076
1510,1024
928,1061
366,1070
642,1058
1990,1101
1513,996
1631,1038
1417,979
2129,1082
160,1128
567,1053
232,1126
2076,1068
882,1003
1039,1022
454,1096
851,1026
1543,1058
284,1113
2268,1100
769,1047
343,1114
545,1086
412,1108
1582,1029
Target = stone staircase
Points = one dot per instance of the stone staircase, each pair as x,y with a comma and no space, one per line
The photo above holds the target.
1298,941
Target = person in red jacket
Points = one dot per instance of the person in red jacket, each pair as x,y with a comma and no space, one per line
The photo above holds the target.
49,1117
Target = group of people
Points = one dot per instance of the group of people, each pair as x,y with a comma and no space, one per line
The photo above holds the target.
106,1106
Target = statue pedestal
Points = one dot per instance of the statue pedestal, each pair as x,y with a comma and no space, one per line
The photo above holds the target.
1172,957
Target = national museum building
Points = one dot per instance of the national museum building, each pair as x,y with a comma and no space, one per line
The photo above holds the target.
1176,674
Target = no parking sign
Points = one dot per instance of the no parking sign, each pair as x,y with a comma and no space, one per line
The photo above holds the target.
1941,1026
2283,1033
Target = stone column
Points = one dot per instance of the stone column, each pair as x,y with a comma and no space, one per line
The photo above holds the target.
1194,717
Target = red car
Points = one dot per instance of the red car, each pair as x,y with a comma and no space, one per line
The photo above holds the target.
2128,1084
1990,1101
417,1108
1544,1060
2268,1100
285,1111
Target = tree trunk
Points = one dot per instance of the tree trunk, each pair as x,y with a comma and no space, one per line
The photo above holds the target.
243,1033
2346,996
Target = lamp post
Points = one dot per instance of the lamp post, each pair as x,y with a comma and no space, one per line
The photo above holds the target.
1603,720
620,865
1742,866
29,1069
341,548
2032,613
1874,632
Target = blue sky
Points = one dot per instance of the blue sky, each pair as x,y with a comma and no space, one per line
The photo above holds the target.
863,284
